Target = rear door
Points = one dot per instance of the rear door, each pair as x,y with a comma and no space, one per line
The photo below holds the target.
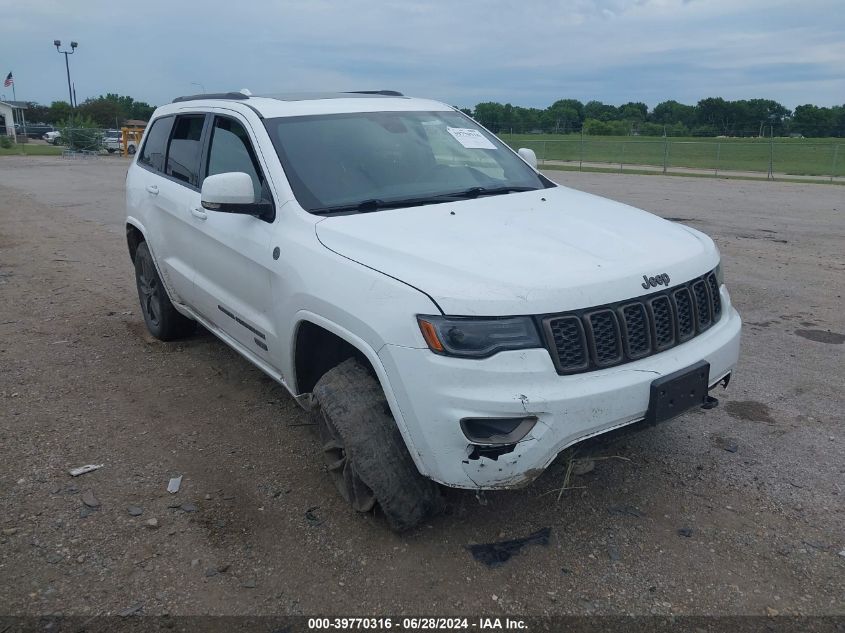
171,155
232,252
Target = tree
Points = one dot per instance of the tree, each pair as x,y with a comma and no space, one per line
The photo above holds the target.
811,120
671,112
59,111
105,112
600,111
490,115
633,111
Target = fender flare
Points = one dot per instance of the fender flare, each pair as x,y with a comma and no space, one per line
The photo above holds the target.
372,356
131,221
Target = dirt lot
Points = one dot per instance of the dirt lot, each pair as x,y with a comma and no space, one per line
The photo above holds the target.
258,528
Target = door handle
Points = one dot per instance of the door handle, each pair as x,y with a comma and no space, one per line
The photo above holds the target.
153,189
199,213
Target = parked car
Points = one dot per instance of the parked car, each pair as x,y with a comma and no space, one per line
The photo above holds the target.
53,138
112,140
446,313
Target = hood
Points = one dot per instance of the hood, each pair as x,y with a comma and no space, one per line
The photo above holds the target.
535,252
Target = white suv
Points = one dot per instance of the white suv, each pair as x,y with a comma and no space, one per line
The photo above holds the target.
445,312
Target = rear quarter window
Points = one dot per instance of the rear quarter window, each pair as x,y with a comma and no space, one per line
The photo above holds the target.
155,146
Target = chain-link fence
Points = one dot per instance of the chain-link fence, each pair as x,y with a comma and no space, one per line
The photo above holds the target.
68,141
797,158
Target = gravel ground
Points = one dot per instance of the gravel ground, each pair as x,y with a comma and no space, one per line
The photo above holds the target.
735,511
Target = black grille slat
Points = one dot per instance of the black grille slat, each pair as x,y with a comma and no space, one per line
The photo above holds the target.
605,339
568,335
715,299
684,313
609,335
636,331
702,304
663,322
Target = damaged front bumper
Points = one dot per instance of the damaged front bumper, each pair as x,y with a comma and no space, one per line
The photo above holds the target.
434,393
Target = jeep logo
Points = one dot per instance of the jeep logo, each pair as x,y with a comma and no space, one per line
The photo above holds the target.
657,280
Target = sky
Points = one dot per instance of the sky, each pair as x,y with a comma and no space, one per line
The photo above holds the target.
528,52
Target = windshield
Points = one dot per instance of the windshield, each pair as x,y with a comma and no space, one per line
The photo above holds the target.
372,160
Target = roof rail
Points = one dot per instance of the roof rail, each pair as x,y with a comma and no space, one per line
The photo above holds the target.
213,95
386,93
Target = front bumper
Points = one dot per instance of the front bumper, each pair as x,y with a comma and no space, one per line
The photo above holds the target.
433,393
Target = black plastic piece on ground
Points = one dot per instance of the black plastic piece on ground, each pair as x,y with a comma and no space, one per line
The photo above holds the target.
495,554
710,403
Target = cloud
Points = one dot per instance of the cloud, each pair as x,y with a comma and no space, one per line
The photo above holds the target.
462,52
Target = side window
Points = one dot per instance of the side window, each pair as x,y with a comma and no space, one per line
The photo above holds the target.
183,155
231,150
156,144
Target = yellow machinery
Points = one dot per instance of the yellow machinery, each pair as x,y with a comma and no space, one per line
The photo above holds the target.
131,136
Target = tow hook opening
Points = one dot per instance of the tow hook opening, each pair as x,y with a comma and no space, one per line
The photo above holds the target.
490,452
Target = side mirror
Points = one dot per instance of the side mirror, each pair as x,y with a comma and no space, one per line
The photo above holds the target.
528,156
233,189
233,192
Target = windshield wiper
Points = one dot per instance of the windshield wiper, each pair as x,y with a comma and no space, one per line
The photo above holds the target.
365,206
474,192
375,204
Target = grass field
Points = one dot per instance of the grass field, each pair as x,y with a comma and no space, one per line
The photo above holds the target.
805,157
33,149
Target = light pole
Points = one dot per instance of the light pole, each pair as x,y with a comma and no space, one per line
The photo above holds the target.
73,45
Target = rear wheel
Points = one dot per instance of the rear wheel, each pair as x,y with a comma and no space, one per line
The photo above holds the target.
162,319
364,452
130,150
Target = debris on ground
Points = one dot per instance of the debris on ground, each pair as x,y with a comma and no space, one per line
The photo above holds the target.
495,554
174,484
135,511
312,518
89,499
583,466
130,611
687,532
630,511
189,507
81,470
152,524
613,552
248,583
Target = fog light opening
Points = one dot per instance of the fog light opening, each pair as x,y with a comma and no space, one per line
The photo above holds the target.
497,431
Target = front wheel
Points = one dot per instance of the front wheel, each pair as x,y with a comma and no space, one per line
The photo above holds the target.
130,150
162,319
364,452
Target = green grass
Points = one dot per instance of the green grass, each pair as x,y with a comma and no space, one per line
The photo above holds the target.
27,149
804,157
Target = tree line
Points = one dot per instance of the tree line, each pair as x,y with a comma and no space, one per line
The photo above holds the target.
108,111
713,116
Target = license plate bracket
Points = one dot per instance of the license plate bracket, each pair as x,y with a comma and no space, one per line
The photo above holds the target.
680,391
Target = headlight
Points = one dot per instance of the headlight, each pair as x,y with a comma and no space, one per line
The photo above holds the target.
477,338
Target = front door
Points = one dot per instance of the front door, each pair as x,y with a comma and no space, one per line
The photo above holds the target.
233,256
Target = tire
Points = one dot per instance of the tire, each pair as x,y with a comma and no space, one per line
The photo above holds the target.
130,150
364,451
162,319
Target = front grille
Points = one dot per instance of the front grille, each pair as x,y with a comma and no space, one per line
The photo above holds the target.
610,335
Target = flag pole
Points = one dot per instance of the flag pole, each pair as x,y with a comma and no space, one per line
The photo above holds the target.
23,116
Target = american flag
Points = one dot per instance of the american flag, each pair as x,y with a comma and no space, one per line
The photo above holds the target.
9,81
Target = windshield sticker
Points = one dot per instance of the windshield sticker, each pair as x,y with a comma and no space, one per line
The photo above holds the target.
470,138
